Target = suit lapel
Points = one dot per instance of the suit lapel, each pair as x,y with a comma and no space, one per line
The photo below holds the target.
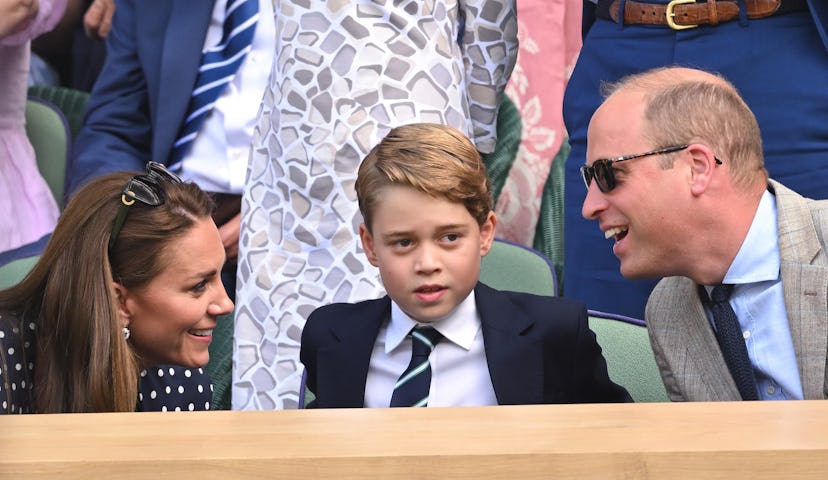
690,346
804,285
183,42
514,359
343,365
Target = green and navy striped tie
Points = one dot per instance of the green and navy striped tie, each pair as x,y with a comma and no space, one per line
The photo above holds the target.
411,390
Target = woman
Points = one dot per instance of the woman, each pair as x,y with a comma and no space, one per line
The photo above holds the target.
128,281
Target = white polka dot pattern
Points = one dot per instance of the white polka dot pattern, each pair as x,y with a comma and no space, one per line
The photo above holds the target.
184,387
174,389
16,386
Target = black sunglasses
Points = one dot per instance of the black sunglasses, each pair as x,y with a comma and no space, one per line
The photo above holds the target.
604,175
145,188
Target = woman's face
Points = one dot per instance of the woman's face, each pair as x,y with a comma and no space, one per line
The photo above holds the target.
171,319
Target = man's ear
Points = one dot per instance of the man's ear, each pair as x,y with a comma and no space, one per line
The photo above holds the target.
368,244
487,234
702,167
122,297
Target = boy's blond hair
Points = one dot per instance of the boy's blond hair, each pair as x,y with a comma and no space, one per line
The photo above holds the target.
435,159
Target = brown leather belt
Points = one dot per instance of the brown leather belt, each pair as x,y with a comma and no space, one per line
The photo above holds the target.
682,14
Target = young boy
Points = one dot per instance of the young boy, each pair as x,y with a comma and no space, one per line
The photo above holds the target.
427,208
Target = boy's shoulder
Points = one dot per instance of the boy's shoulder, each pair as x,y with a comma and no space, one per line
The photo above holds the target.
349,307
530,299
337,313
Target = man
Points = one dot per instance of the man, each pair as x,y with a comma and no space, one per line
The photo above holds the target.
138,108
676,177
748,41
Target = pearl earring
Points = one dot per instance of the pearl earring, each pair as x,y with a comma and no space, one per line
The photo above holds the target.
126,332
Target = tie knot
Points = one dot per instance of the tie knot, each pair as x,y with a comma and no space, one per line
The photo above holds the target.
721,293
424,339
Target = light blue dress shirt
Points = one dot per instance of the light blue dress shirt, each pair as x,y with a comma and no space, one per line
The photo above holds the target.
759,304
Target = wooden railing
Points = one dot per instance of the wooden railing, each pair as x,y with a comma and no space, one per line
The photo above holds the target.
752,440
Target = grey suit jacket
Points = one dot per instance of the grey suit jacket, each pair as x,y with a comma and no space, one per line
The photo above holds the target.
684,344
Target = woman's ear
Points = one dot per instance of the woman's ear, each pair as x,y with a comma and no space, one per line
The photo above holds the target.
122,298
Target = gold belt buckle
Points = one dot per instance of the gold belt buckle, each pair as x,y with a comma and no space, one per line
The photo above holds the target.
669,13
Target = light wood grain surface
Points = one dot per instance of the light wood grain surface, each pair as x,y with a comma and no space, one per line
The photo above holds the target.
755,440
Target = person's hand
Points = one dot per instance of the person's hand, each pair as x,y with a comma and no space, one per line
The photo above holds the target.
98,18
229,233
16,15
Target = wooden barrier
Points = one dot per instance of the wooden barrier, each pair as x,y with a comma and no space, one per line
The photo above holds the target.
754,440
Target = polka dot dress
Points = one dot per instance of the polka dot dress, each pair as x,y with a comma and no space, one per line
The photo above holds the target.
16,365
169,388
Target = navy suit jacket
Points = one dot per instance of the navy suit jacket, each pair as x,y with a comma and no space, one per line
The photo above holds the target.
140,98
539,350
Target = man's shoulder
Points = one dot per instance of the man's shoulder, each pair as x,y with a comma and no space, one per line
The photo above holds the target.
667,295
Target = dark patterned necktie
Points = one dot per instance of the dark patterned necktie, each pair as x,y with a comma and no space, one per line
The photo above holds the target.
219,65
732,343
411,390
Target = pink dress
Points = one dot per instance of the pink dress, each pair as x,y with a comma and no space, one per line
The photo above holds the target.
27,208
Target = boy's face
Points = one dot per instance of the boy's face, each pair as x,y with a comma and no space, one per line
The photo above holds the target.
427,249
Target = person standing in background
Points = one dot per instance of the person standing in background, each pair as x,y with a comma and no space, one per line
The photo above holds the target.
28,210
141,101
747,41
345,73
72,54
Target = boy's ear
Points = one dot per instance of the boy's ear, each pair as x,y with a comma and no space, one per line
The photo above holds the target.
487,234
122,297
368,244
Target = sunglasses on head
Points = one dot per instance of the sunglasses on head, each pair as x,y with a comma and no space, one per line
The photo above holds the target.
604,175
145,188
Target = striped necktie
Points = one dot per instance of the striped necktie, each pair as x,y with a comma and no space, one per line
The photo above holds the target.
218,67
411,390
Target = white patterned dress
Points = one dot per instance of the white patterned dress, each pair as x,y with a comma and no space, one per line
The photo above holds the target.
345,73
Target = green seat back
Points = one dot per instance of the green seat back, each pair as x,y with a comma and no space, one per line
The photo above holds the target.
69,101
14,271
630,361
510,266
49,135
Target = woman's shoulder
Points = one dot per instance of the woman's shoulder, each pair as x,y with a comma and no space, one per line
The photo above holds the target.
17,345
171,388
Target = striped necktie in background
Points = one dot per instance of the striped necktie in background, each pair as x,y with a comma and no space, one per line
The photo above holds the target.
412,389
218,67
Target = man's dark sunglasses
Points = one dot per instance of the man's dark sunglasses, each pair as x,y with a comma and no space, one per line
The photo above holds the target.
604,175
145,188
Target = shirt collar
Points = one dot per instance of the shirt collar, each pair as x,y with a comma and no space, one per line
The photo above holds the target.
758,258
460,326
